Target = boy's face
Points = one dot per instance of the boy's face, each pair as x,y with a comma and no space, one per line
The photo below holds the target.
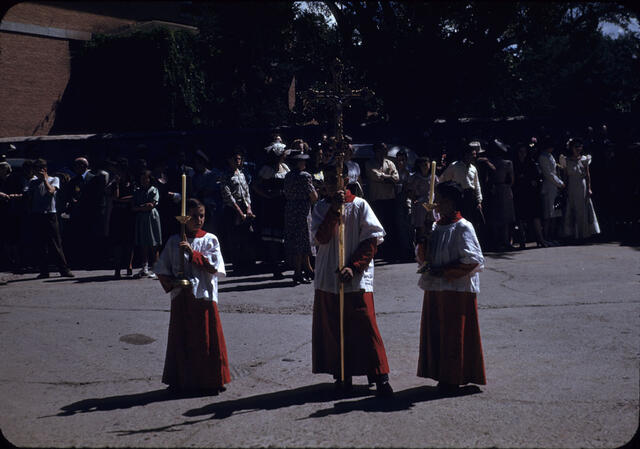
444,205
331,181
197,219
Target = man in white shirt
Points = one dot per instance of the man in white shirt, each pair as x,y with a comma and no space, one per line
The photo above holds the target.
42,200
465,174
382,177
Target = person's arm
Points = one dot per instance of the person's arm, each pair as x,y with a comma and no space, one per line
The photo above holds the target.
477,189
588,178
360,259
393,175
197,258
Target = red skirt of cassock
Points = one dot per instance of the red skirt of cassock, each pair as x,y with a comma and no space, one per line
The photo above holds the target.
364,350
450,346
196,350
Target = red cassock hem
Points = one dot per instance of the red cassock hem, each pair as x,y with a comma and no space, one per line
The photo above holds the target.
450,345
196,351
364,349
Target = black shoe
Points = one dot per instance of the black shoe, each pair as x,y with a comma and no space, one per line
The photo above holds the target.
299,279
42,276
66,274
278,275
384,390
116,275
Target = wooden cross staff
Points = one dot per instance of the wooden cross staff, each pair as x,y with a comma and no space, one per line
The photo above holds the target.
338,95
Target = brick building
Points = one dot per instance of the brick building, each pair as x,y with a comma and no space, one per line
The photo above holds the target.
35,40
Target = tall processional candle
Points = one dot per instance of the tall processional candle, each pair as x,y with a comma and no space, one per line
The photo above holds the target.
183,206
433,181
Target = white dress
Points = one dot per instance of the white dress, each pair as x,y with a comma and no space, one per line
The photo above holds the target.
453,243
204,284
550,184
360,224
580,219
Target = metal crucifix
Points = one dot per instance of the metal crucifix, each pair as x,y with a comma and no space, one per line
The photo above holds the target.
338,95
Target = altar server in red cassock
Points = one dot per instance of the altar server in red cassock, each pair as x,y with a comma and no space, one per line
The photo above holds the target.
364,349
450,346
196,357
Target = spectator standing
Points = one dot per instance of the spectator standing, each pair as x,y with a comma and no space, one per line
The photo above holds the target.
418,193
316,170
269,189
551,183
148,234
300,195
580,221
5,222
501,213
206,188
237,214
122,219
526,196
465,174
353,169
382,177
42,199
403,210
78,196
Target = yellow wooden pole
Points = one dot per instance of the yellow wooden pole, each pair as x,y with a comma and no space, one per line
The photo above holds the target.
341,262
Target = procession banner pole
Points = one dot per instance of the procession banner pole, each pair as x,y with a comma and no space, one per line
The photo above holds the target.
341,260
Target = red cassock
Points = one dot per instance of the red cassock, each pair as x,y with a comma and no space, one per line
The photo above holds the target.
196,350
364,349
450,345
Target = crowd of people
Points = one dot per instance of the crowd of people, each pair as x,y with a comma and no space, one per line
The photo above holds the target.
122,212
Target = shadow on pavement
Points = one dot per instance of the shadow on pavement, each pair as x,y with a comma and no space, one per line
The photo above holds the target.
324,392
244,288
120,402
238,280
401,400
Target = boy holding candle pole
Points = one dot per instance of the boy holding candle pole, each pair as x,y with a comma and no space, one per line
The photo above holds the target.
196,357
450,345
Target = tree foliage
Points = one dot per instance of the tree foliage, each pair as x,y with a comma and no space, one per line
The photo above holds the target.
423,59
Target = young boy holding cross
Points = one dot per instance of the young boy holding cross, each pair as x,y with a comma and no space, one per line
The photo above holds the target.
364,352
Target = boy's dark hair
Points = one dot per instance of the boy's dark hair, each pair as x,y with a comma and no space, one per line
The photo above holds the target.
193,203
452,191
39,163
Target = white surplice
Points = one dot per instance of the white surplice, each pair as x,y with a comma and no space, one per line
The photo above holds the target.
360,224
448,244
204,284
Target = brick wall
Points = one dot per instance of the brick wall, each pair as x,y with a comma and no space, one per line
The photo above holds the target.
34,70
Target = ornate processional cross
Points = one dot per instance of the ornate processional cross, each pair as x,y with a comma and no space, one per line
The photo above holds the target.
337,95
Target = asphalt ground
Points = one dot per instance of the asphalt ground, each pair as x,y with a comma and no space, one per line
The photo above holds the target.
82,361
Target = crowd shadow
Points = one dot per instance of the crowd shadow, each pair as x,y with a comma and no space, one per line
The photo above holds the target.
121,401
324,392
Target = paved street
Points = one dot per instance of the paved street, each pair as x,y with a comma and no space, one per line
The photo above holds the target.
83,357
